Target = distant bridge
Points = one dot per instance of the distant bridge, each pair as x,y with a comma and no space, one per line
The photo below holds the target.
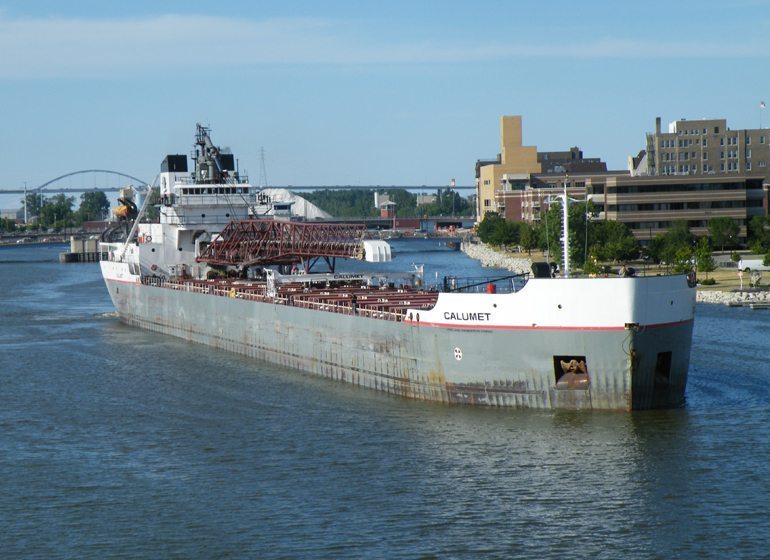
49,186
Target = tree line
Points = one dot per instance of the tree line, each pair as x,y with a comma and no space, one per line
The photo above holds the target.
594,241
59,211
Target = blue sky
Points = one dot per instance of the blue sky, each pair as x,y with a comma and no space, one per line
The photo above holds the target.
359,92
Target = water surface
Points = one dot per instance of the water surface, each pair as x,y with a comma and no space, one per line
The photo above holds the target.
119,443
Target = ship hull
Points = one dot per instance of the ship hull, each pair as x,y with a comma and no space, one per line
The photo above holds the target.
629,367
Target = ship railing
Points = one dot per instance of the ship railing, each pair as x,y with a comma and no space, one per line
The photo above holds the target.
479,284
371,306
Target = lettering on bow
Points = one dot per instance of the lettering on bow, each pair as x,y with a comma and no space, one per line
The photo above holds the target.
466,316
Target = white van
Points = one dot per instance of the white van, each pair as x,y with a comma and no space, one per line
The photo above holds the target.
752,264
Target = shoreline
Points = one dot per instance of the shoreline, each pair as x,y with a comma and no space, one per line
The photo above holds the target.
492,258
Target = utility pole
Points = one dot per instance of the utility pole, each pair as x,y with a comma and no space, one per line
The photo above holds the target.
25,203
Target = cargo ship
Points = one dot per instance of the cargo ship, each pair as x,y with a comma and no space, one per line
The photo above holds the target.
224,268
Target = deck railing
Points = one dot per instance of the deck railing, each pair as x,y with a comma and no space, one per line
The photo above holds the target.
374,304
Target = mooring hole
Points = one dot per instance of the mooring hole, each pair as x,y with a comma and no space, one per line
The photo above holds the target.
570,372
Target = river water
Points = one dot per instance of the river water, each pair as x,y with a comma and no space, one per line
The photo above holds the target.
119,443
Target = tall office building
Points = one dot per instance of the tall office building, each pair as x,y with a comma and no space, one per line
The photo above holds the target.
706,147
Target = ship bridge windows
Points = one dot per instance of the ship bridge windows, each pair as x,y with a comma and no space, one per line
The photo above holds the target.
214,190
570,372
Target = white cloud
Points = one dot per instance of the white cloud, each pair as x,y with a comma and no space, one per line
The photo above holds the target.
47,48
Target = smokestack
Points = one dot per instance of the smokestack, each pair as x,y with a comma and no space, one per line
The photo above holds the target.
657,125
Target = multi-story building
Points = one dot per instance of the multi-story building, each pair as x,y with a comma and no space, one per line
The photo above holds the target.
697,171
516,163
706,147
513,159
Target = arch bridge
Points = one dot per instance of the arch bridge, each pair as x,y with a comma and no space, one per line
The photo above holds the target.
70,189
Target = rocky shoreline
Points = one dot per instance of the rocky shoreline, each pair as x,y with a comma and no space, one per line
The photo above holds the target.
489,257
733,298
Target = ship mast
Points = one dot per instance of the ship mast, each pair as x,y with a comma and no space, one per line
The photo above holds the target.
565,231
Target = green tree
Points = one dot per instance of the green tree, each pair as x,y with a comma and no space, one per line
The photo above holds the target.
448,203
656,248
613,241
505,233
93,206
682,260
704,260
57,211
528,237
723,231
759,234
7,224
488,225
677,239
34,203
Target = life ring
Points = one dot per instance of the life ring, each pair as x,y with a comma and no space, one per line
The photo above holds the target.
148,238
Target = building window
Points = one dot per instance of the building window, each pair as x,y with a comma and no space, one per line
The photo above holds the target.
721,155
721,141
721,166
705,155
748,166
761,139
487,203
748,140
761,163
705,142
748,152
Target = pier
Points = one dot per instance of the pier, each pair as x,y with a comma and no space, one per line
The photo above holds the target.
81,250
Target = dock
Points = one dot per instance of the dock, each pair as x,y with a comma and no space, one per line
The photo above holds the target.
81,250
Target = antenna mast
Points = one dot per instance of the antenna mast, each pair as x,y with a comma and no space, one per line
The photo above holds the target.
262,169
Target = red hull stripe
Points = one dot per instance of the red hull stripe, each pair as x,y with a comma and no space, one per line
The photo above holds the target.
540,327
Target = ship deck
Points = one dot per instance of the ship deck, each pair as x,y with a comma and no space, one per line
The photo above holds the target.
385,303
